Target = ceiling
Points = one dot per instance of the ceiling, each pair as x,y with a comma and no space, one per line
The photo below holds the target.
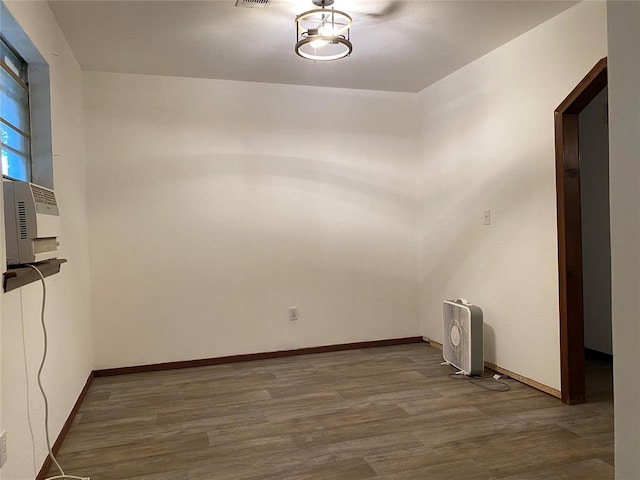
399,45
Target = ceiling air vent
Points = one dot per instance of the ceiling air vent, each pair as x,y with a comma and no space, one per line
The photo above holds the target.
252,3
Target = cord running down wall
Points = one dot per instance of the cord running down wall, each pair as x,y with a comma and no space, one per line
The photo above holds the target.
62,476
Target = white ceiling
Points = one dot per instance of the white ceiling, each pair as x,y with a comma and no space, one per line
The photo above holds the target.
398,45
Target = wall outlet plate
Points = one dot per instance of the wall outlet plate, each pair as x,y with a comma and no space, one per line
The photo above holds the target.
293,313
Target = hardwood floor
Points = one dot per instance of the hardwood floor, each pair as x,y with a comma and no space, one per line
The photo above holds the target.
378,413
599,376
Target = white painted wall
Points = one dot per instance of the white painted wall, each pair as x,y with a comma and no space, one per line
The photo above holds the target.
70,357
489,144
216,205
623,20
596,247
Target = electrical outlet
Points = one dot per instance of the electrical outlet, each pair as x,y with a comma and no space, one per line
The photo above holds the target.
293,313
3,448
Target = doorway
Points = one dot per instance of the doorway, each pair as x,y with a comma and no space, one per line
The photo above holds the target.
570,232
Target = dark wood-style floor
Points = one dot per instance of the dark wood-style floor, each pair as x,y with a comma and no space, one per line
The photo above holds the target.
378,413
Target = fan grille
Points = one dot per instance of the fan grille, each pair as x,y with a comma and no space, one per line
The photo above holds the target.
463,339
457,346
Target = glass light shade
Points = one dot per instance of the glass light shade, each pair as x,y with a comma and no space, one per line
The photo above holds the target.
318,48
329,21
323,34
318,43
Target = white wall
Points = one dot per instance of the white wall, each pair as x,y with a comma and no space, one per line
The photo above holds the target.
216,205
596,247
70,357
489,144
623,19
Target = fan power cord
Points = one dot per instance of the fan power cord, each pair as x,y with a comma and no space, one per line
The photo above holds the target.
482,382
63,475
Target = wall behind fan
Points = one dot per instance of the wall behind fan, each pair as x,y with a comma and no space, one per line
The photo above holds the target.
489,144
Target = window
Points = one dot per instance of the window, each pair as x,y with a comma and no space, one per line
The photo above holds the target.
15,136
25,105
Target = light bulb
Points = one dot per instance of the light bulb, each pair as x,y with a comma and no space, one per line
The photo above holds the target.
326,30
318,43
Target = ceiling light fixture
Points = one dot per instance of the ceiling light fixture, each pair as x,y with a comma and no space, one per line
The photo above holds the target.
323,34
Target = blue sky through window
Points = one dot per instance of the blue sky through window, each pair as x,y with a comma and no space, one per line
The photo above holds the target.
14,117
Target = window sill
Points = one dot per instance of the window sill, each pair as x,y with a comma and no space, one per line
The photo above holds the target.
16,277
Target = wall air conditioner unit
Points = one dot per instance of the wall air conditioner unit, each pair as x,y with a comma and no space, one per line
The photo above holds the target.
31,222
463,345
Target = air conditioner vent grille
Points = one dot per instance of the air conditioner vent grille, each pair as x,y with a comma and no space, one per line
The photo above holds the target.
252,3
22,220
43,195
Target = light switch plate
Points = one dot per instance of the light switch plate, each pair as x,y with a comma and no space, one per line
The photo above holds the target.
487,217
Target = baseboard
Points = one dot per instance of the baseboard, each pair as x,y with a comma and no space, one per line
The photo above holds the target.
516,376
253,356
522,379
42,474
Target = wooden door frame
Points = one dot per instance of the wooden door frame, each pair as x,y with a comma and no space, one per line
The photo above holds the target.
567,144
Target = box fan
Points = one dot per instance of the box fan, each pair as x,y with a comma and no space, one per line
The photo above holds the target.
463,345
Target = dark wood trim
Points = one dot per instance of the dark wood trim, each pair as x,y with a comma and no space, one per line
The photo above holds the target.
570,231
42,474
19,276
254,356
588,88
